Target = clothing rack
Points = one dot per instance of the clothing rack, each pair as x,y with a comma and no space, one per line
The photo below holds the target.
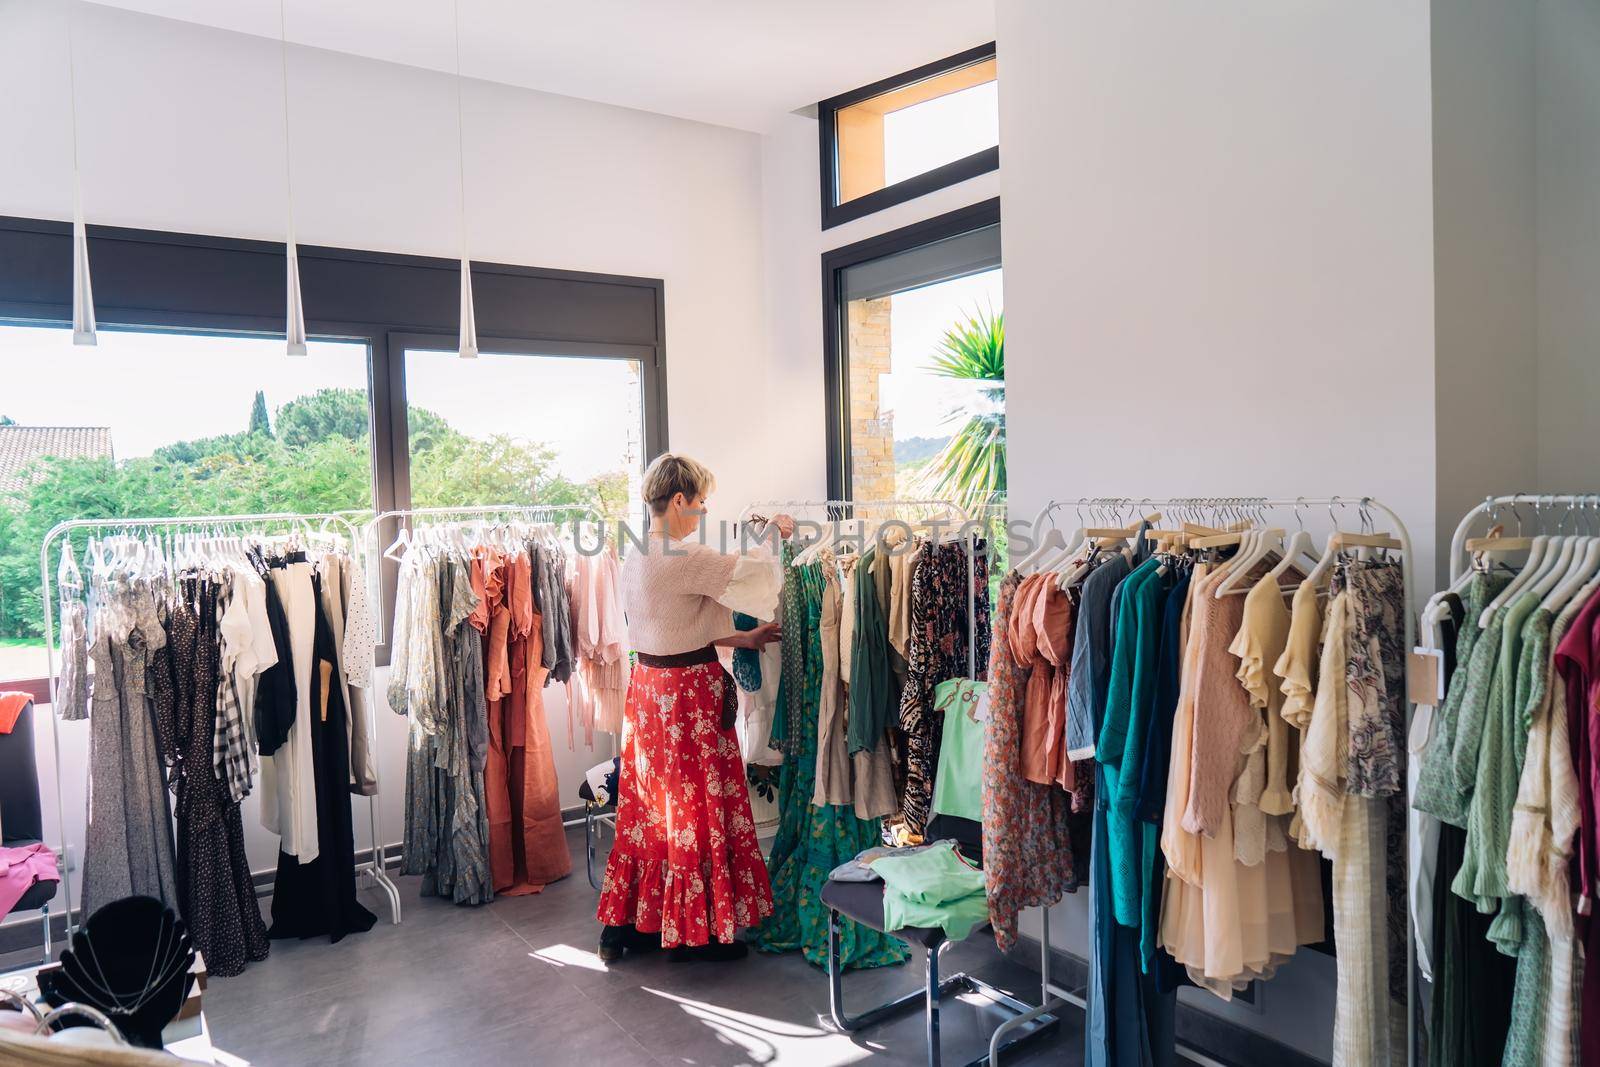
1226,509
529,512
840,510
374,867
1569,502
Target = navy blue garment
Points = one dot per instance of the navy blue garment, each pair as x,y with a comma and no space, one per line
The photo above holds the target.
1151,801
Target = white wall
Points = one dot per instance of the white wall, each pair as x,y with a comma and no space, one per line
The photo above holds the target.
1567,117
1484,252
181,129
1219,275
795,242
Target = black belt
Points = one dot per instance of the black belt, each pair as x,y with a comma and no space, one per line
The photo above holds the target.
730,691
681,659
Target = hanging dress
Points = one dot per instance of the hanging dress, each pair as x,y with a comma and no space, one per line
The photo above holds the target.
318,898
813,840
1027,837
218,893
128,849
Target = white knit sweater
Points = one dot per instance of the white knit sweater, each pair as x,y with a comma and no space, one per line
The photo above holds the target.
680,595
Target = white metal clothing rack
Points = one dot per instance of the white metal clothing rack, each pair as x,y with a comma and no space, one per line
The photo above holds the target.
1567,502
467,512
373,868
1055,995
840,510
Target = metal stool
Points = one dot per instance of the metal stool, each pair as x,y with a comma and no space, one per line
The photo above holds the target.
863,902
594,815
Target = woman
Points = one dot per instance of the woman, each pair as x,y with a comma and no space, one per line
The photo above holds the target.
686,871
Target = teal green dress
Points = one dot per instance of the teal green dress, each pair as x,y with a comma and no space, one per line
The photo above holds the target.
813,840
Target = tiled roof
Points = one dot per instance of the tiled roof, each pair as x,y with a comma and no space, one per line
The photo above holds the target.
20,446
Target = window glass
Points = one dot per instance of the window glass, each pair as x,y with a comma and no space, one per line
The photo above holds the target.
915,128
524,429
924,336
151,424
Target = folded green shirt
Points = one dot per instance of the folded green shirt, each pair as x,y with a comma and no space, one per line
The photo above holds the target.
934,887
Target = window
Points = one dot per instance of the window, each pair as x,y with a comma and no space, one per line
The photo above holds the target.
189,406
909,135
505,428
916,363
154,424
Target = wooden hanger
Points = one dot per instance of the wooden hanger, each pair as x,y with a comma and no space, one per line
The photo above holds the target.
1345,539
1496,541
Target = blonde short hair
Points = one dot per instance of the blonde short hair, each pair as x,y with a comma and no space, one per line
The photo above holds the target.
671,474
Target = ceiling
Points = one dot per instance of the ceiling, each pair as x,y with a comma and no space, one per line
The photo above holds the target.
741,63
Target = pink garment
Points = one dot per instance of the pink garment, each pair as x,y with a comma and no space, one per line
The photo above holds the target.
598,689
20,868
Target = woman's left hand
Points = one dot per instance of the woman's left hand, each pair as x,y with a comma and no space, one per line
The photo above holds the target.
762,635
785,525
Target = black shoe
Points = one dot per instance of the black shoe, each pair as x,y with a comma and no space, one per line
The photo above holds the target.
613,939
715,952
637,942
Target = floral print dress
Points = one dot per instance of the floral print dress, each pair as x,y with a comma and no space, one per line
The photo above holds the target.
812,840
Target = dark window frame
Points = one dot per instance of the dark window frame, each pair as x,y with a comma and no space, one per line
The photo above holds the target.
835,346
163,281
836,214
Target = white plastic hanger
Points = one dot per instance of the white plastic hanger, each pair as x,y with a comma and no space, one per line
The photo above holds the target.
402,543
1259,547
1585,561
1530,573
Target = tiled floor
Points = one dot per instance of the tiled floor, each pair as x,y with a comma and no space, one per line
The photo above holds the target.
518,982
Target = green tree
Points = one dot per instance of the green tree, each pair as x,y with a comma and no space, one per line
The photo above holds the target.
971,468
258,415
323,414
7,420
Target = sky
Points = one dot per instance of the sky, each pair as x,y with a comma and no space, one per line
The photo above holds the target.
921,401
940,131
152,389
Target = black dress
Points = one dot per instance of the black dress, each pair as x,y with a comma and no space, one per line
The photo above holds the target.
215,890
275,691
319,898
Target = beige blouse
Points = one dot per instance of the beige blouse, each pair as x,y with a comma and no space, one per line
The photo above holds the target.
1320,787
1260,642
680,595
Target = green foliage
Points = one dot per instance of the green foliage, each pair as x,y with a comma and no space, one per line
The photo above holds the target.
321,461
258,415
323,414
971,468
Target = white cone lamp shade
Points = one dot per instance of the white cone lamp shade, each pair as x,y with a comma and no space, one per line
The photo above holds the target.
295,329
83,323
469,319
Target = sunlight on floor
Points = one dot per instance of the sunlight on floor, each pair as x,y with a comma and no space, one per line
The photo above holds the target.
769,1041
567,956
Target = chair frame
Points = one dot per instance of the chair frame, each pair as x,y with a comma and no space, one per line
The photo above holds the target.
596,815
933,991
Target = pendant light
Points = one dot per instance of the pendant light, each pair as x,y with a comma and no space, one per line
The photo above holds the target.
469,319
295,324
84,329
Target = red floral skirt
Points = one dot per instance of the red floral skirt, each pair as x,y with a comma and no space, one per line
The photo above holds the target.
686,861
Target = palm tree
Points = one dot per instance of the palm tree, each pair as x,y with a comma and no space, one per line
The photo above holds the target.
971,469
